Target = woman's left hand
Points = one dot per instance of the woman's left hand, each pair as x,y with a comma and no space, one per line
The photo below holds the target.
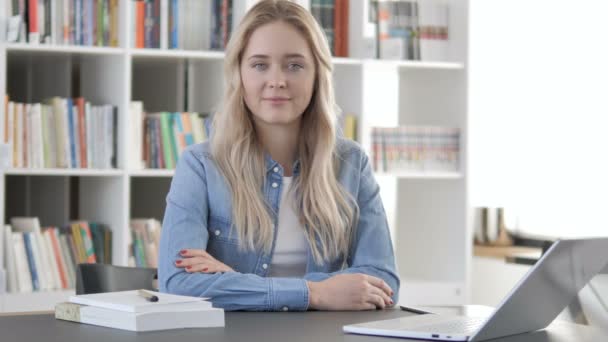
198,260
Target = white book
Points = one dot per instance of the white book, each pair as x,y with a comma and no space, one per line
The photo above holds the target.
41,272
10,264
57,105
24,277
31,226
28,145
137,123
151,321
89,133
18,136
164,24
51,138
52,260
131,301
47,265
66,135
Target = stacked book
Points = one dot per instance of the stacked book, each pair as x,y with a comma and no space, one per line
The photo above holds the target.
61,133
41,259
160,138
140,310
74,22
415,149
145,239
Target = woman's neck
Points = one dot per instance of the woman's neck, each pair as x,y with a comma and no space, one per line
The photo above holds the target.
281,142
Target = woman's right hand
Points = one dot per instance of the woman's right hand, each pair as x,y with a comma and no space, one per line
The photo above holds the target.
350,292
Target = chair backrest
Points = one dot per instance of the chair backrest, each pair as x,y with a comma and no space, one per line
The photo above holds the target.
96,278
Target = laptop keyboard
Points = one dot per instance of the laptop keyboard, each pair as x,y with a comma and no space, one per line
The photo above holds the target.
460,325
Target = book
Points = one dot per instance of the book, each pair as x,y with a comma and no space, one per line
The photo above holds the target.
193,317
130,301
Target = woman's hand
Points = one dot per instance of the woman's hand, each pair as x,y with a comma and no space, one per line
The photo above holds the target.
198,260
350,292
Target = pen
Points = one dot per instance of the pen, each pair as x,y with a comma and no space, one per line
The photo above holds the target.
148,296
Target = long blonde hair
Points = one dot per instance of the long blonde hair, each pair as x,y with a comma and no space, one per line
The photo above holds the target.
328,212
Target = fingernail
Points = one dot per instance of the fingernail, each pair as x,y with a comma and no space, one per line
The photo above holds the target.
391,302
178,262
183,251
392,293
188,267
205,269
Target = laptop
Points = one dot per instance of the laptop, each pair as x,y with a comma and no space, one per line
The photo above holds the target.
539,297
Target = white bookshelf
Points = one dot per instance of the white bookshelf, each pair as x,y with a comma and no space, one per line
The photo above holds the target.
427,212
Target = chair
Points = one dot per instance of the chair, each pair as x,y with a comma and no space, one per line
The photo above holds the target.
96,278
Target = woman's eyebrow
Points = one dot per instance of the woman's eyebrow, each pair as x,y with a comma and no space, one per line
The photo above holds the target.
289,55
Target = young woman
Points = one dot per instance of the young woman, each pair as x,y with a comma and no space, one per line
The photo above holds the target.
275,212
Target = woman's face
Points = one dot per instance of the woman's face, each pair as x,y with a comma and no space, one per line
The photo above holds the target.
278,73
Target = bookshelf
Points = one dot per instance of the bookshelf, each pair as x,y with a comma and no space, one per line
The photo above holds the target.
427,211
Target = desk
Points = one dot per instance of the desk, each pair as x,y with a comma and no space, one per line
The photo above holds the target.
253,326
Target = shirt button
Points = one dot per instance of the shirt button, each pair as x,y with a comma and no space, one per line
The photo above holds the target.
274,185
276,169
217,233
265,266
285,308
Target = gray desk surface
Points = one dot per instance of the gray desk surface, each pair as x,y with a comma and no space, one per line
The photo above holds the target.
245,327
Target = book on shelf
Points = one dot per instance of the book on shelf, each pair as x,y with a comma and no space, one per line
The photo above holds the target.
61,133
350,127
63,22
182,24
333,17
128,310
45,258
145,240
411,29
162,137
415,149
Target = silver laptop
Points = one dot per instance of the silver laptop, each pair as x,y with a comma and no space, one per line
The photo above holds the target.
549,286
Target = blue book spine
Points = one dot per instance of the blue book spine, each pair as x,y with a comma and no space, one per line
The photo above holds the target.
174,22
30,260
71,133
149,25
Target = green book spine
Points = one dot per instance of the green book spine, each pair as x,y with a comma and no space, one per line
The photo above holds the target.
165,126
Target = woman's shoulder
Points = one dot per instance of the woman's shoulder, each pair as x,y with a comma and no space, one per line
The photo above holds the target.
351,154
199,151
349,149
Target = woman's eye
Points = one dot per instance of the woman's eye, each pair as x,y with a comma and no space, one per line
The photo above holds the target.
260,66
294,67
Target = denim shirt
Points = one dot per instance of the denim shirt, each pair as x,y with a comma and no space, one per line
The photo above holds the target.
198,216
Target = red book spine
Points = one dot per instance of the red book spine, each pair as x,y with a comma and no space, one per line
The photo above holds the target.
33,19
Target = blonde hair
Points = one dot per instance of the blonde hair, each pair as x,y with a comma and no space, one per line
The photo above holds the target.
328,212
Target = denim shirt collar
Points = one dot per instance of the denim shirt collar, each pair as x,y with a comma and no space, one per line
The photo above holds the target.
271,164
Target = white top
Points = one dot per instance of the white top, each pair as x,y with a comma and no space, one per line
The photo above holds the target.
291,247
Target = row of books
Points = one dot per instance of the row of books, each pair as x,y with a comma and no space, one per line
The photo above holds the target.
332,16
183,24
74,22
42,259
415,148
160,138
61,133
412,29
145,239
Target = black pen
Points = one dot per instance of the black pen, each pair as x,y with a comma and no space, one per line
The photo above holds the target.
148,296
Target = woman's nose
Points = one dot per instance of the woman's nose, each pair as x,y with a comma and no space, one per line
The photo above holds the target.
277,79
